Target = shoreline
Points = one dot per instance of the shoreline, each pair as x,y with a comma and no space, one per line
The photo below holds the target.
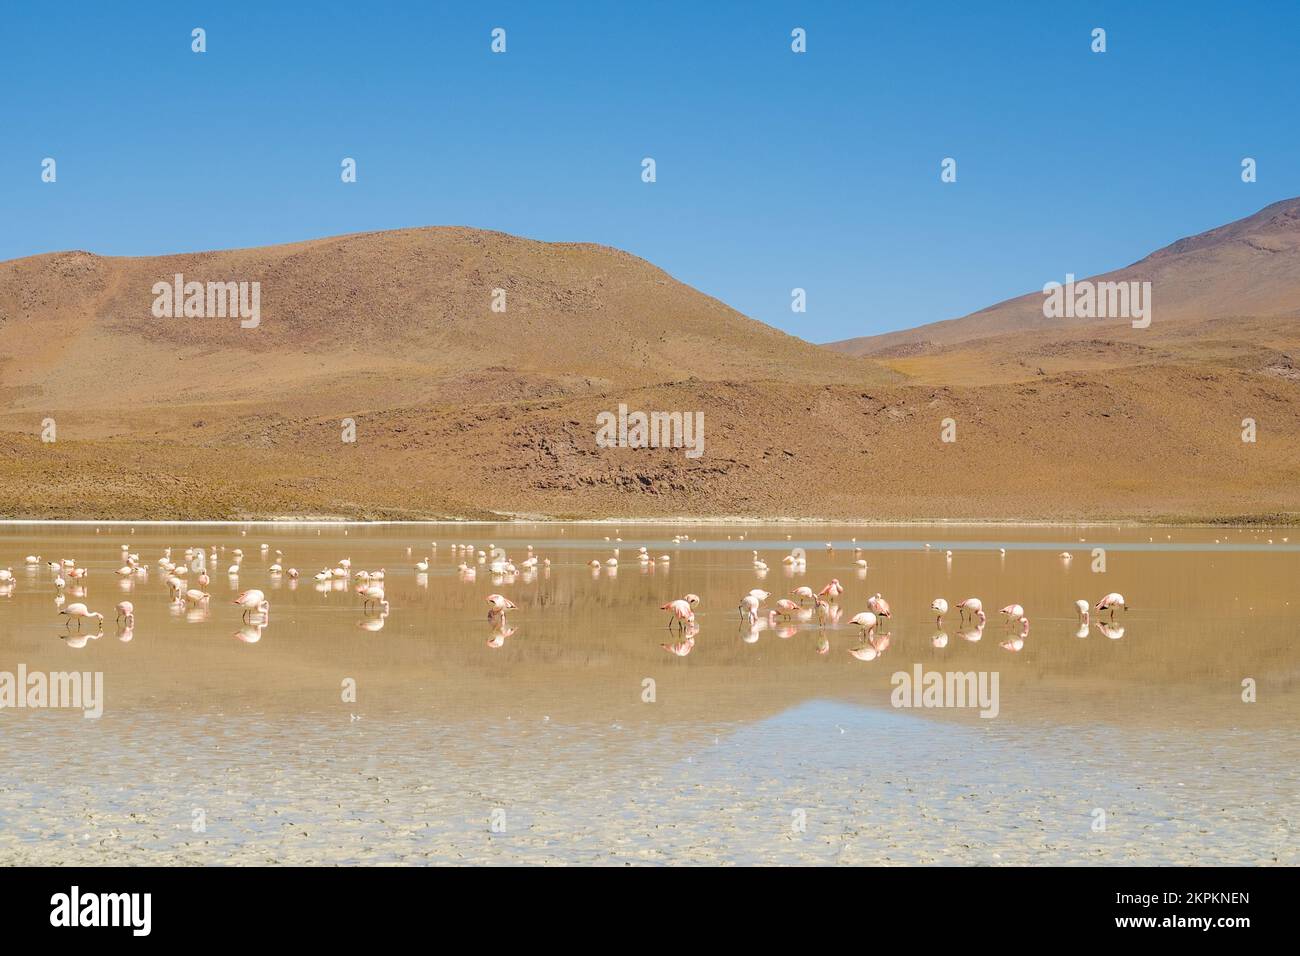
1174,521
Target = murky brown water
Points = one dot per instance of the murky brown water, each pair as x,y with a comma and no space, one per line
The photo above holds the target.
214,747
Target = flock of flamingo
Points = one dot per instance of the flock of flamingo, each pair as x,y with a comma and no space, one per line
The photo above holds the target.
785,615
826,609
67,576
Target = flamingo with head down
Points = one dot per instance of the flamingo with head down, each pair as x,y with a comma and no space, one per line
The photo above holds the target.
940,607
253,600
679,613
1110,602
80,612
374,594
972,606
866,621
498,604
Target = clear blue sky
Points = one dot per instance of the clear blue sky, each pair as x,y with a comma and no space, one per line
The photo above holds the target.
775,170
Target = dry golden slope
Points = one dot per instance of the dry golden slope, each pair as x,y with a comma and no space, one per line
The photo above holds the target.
464,412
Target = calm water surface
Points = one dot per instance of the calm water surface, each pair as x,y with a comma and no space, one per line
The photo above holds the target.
221,743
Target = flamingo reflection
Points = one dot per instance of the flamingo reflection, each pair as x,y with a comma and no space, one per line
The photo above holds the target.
250,633
1113,631
499,635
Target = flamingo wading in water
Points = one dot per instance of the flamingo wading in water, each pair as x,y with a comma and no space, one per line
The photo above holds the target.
866,620
80,611
498,605
940,608
253,600
878,605
972,606
1111,601
680,613
1013,612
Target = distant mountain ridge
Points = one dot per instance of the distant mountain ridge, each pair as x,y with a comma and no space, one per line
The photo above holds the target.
1250,267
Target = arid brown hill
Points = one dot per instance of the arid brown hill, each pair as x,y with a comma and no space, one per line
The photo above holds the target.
463,411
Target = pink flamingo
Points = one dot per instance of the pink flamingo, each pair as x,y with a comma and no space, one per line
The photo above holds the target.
749,609
374,594
680,613
253,600
972,606
785,607
1110,602
832,590
80,611
1013,612
804,594
940,607
878,605
866,620
499,604
823,609
126,610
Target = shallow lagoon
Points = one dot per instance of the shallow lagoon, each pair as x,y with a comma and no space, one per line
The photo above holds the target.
755,747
